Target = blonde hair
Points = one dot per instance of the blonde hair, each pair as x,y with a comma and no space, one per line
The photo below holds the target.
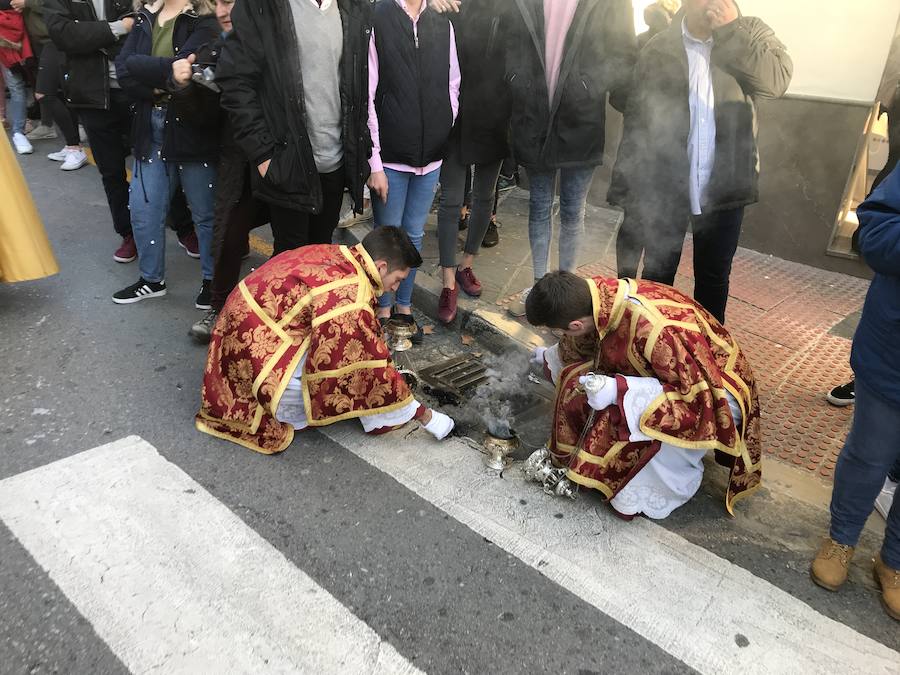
204,7
201,7
671,6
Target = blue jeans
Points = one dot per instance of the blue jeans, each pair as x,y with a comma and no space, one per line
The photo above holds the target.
573,189
871,450
409,199
18,107
152,187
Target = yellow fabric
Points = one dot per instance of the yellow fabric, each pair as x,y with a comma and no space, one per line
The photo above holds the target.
25,252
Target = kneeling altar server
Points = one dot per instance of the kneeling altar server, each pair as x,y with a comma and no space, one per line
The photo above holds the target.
297,345
677,386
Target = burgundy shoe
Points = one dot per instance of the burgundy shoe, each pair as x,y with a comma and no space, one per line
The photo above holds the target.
469,282
447,305
127,251
190,244
627,517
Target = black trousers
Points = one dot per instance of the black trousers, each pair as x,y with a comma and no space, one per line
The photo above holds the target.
715,242
108,132
247,214
293,229
48,85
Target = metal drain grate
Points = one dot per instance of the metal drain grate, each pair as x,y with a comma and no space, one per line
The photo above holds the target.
453,378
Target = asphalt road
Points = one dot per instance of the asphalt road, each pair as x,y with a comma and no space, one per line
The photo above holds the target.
445,566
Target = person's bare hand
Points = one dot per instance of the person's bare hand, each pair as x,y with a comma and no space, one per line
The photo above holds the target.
442,6
721,13
181,70
17,5
264,168
128,23
378,183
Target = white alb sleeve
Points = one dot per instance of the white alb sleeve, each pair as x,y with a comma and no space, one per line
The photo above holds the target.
554,362
642,391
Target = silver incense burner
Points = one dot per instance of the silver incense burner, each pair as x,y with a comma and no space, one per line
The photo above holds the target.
498,450
400,336
412,380
539,468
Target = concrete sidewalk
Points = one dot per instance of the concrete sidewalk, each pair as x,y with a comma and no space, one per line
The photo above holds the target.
794,322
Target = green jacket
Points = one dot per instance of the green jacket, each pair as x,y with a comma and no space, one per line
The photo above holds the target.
652,170
34,20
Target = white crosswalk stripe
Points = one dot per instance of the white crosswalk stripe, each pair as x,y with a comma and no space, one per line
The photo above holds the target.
680,596
172,580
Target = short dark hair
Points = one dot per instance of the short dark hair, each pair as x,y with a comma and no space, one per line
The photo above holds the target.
558,299
392,245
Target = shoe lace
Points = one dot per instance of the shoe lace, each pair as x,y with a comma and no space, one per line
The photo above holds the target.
210,318
893,577
840,551
469,275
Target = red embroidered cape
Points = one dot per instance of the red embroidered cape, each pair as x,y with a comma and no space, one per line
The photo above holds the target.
15,47
670,337
318,300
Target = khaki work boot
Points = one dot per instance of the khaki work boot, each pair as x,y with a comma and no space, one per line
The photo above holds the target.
831,565
517,307
888,581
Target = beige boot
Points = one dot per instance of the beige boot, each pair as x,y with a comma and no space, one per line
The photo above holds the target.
517,307
831,565
888,581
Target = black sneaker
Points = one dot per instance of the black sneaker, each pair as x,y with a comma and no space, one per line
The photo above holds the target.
139,291
204,299
843,395
202,330
505,183
492,236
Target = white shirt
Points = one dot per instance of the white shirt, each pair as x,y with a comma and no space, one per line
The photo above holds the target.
702,139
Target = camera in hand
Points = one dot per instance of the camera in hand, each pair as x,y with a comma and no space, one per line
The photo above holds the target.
205,76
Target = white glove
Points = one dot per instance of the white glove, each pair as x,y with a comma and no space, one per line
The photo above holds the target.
440,425
537,356
602,397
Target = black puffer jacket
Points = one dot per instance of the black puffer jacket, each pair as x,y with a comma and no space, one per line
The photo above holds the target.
482,125
198,105
141,74
598,58
652,171
259,72
414,111
89,45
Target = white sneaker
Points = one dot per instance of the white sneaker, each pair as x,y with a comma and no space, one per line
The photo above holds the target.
349,219
75,159
23,147
59,156
885,498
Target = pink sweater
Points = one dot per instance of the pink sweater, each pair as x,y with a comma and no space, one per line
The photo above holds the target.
375,163
558,15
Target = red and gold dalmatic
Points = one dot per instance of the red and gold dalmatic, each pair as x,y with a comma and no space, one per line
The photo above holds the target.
318,300
650,330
